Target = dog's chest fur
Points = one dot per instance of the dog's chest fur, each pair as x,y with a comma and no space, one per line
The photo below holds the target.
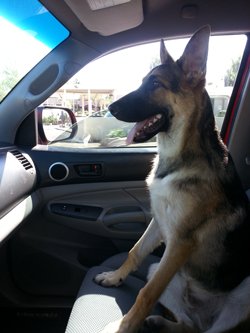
168,205
175,185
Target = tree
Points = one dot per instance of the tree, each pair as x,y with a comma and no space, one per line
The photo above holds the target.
231,73
8,79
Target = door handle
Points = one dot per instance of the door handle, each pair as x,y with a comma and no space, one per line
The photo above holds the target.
125,219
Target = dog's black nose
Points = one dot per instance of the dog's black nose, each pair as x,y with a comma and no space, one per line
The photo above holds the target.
114,109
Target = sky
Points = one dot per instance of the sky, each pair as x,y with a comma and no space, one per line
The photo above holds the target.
122,70
19,49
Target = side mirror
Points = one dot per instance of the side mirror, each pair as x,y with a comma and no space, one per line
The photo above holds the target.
55,124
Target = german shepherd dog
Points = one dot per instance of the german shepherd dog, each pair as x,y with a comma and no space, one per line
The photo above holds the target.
200,210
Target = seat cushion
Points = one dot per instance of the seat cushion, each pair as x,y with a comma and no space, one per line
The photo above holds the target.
96,306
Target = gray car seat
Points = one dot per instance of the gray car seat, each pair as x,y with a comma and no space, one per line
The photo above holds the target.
96,306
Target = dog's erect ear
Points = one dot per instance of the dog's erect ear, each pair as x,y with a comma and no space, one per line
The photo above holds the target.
194,59
165,56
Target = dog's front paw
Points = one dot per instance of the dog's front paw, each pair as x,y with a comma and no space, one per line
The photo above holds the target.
108,279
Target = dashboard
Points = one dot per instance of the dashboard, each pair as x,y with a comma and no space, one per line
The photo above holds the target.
17,182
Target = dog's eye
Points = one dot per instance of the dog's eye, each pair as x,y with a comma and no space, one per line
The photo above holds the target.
156,84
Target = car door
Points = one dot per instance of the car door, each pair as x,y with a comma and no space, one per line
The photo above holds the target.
81,220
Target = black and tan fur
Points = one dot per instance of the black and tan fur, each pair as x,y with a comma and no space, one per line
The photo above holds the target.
200,210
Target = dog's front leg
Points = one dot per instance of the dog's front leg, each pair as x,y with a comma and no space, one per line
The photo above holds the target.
146,244
175,255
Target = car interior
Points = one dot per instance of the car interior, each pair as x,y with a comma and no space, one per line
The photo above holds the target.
68,212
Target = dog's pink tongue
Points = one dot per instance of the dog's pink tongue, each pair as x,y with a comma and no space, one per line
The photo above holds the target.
136,128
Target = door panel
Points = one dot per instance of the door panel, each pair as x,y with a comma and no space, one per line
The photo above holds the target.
115,210
78,223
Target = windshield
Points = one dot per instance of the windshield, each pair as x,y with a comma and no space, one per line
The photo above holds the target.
28,32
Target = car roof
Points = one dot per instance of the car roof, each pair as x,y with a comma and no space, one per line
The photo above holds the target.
156,19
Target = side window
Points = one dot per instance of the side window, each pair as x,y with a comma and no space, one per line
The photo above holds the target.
89,93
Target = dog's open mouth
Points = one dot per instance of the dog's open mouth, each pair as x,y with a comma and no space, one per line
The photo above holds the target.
146,129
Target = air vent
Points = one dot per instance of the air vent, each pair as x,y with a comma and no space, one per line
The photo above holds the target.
22,159
58,171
